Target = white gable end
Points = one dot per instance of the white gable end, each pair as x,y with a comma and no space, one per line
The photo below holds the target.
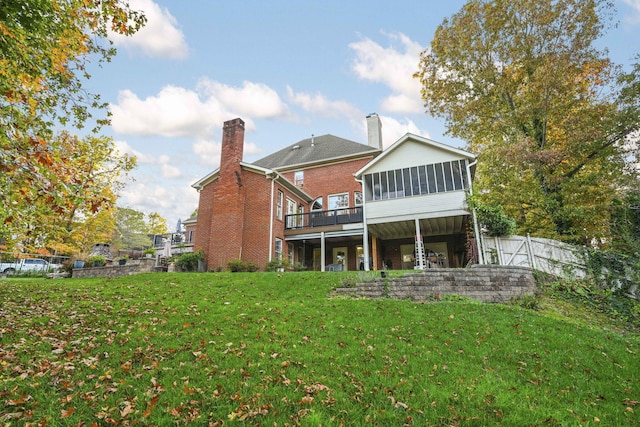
413,153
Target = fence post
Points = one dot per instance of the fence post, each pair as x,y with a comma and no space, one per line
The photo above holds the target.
532,257
499,250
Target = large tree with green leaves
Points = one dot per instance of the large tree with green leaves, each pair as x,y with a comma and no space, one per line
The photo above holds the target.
523,83
85,177
132,231
45,49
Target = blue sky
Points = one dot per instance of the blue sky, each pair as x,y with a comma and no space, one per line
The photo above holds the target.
289,69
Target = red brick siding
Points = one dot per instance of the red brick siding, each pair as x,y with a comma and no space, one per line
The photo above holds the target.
331,179
255,236
205,209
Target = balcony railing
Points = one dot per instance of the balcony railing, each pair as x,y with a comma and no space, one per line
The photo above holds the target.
323,218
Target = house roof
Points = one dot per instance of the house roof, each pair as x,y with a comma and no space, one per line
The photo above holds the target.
314,150
415,138
251,167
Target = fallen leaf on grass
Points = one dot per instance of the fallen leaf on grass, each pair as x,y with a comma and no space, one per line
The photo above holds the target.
67,412
128,409
307,400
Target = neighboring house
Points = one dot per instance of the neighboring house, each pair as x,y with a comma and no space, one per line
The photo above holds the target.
317,201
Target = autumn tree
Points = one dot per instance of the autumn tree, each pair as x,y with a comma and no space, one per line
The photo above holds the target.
156,224
45,48
132,231
522,82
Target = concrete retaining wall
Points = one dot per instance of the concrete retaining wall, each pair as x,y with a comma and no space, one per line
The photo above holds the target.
144,265
486,283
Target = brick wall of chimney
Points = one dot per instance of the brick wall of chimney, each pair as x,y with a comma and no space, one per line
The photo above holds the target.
227,217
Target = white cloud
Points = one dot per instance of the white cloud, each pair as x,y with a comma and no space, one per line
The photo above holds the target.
167,170
177,111
170,171
160,37
208,152
168,201
174,111
635,6
392,66
123,147
318,104
252,99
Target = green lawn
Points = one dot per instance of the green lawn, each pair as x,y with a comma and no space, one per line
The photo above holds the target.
274,350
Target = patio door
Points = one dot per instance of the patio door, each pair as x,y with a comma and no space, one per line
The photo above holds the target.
340,257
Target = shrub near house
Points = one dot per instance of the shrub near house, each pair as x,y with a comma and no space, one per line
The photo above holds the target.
189,261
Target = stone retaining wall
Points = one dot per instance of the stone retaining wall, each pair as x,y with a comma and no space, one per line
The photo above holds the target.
486,283
143,265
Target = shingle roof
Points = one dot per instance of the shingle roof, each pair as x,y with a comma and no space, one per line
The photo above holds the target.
313,150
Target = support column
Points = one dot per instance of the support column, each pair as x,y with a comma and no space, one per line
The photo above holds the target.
374,249
322,249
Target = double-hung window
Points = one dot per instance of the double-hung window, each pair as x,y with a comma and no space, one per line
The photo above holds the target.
339,201
279,202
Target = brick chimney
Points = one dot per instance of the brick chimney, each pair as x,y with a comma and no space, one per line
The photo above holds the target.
228,200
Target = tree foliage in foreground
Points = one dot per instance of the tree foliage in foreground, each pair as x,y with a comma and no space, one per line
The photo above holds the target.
45,48
546,111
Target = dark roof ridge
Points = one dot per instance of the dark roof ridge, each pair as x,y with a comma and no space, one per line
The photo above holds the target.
314,149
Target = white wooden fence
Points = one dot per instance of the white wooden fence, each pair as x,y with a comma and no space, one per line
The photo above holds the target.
546,255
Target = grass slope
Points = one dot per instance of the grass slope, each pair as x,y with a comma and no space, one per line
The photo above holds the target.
274,349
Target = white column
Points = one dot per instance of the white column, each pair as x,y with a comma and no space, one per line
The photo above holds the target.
322,257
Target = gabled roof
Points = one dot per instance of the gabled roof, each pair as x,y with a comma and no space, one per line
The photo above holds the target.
269,173
419,139
316,149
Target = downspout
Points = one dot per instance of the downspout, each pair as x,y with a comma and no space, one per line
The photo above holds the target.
273,185
365,234
476,227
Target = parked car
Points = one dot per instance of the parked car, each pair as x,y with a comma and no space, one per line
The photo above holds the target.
28,265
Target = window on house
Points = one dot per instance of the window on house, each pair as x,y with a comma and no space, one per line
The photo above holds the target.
431,174
357,198
391,175
278,249
422,173
439,177
399,183
317,204
279,202
463,170
416,180
298,178
368,186
457,175
337,201
291,214
377,191
384,184
448,177
406,175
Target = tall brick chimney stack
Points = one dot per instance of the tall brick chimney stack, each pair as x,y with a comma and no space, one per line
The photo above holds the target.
228,200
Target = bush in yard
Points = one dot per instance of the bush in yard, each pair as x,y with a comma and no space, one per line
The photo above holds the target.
238,265
189,261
